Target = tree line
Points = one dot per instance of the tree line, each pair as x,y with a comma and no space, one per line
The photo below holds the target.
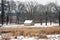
33,11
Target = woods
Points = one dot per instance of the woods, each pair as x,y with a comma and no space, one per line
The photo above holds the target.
31,11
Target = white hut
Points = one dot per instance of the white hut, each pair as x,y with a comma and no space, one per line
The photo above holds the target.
28,22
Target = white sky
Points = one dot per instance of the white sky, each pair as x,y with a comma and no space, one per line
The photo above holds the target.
42,1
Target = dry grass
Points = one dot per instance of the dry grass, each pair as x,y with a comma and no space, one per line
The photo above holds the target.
31,31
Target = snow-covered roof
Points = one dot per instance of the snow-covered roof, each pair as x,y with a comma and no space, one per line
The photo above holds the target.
28,21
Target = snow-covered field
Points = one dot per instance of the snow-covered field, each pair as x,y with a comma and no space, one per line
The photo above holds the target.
49,37
25,38
35,25
44,24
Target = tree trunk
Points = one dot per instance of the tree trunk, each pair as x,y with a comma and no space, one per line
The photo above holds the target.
2,15
59,18
46,18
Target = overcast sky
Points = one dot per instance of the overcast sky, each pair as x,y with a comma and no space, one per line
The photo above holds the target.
42,1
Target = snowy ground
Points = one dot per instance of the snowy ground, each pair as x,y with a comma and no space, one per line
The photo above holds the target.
35,25
44,24
49,37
